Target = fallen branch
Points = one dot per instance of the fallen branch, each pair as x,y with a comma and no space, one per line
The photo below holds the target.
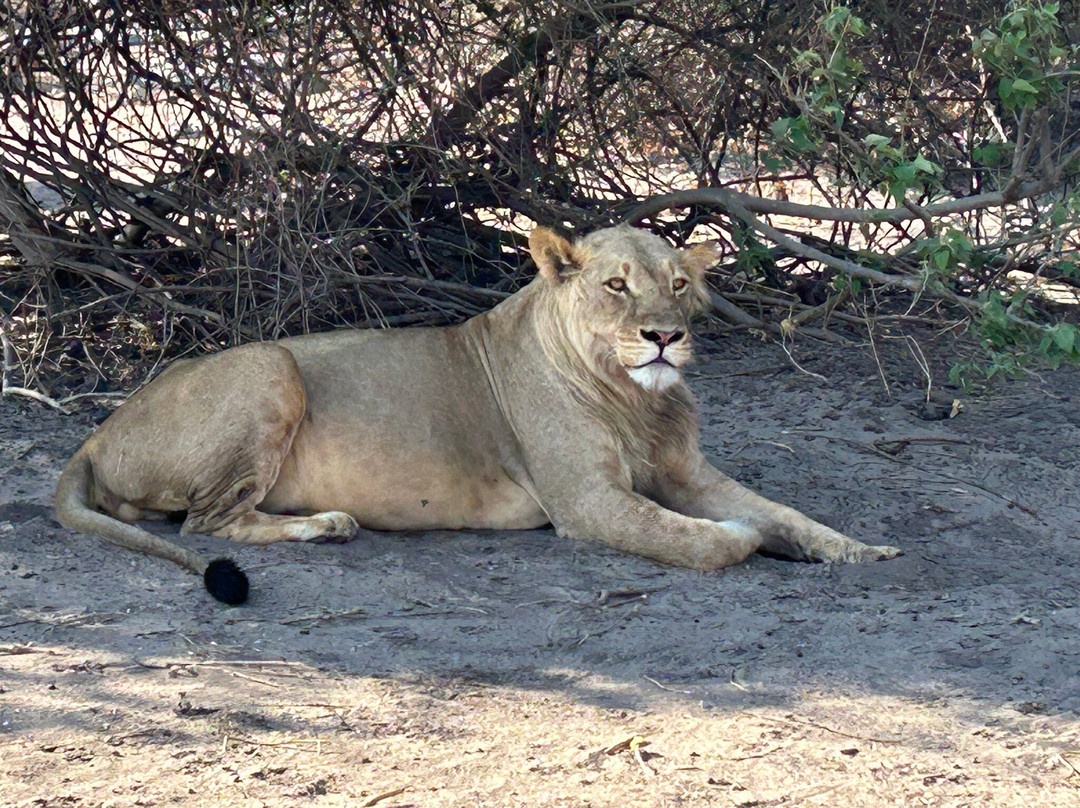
823,310
733,312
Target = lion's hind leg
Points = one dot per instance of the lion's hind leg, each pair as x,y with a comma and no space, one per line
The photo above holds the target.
219,429
255,527
228,509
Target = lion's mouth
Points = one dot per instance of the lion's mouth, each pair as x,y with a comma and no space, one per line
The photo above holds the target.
659,360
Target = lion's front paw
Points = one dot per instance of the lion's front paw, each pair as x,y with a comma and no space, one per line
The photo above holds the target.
828,545
880,552
863,553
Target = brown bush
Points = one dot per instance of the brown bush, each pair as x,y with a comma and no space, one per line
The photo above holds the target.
180,175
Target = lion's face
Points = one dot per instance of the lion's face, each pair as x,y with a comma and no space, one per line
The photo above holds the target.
626,299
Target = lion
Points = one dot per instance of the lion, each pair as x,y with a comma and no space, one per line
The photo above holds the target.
563,405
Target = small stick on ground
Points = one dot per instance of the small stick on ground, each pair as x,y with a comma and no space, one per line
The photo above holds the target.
645,767
323,617
799,367
384,796
208,663
290,744
16,650
620,597
239,675
665,687
799,722
759,754
1062,759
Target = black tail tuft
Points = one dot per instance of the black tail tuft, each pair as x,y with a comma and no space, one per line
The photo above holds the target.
226,581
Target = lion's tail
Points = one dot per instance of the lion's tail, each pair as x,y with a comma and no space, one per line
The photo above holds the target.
222,578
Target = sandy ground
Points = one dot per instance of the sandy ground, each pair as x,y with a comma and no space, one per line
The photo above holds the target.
518,669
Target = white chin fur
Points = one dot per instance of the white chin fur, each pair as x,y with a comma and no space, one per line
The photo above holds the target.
657,377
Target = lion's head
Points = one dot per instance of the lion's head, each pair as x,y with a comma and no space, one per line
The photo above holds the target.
625,299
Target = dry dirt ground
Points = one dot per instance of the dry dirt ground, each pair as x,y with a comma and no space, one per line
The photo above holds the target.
518,669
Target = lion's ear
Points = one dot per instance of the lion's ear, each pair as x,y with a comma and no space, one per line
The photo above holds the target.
695,260
552,253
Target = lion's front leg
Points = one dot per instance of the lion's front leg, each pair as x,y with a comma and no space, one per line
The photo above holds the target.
698,489
636,524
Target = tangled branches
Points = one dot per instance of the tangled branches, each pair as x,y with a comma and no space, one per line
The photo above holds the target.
179,175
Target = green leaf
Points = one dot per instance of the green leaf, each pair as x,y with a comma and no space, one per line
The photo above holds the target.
960,375
773,164
905,172
781,127
1023,86
807,59
924,165
835,21
837,112
794,132
1064,335
991,155
874,141
898,190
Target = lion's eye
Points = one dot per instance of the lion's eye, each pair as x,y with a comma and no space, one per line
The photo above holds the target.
679,284
615,284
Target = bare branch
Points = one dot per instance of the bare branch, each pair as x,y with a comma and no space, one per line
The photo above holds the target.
724,199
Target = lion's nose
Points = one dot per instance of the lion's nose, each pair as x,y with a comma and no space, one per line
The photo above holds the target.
662,338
